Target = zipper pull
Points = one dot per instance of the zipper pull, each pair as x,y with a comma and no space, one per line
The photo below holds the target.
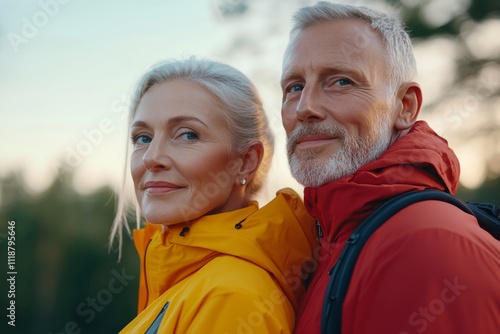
318,228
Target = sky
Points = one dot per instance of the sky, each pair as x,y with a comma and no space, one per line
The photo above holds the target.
67,68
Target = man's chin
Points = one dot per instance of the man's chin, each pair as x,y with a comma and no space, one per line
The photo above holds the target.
315,173
311,177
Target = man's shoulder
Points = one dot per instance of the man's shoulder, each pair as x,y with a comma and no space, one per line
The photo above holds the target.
432,232
428,253
431,217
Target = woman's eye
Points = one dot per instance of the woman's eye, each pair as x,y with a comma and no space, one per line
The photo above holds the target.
141,139
189,135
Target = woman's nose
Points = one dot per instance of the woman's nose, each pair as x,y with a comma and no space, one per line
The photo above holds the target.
156,156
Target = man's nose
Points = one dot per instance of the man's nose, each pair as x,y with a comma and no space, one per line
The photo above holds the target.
309,106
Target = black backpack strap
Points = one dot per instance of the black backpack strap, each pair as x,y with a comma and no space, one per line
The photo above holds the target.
488,217
342,271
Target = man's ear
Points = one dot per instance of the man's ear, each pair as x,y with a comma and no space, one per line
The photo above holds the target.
409,100
251,159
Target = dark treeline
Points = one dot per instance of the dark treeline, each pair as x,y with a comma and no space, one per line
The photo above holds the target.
66,280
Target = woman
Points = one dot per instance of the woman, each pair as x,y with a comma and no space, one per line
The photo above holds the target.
211,260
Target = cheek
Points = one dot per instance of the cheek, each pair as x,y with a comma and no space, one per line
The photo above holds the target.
288,119
136,166
217,168
357,119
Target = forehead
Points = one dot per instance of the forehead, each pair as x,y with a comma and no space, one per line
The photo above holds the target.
179,97
348,42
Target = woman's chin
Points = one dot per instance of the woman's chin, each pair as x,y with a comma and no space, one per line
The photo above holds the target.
165,222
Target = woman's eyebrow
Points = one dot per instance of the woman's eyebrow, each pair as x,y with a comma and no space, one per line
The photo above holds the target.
173,120
180,119
138,124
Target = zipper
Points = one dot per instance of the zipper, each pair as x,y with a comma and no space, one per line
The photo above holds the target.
153,329
146,273
318,228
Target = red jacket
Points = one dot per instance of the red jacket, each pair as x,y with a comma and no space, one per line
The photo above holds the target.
429,269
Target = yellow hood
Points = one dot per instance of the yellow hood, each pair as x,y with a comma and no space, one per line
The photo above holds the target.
277,237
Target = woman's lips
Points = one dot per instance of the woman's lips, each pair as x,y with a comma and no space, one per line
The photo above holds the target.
159,187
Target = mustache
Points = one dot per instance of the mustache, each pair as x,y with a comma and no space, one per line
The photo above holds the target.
332,130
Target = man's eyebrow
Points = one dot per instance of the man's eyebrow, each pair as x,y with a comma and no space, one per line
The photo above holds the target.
340,69
327,69
287,76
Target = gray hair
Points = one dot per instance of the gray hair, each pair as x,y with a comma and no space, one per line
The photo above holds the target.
241,108
401,60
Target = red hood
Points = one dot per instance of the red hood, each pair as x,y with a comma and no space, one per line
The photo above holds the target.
419,160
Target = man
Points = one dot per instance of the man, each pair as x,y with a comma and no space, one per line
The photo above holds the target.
350,109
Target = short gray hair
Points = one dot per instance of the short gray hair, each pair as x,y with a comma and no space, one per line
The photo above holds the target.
401,60
241,108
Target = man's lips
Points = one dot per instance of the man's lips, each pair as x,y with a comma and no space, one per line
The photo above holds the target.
313,140
160,187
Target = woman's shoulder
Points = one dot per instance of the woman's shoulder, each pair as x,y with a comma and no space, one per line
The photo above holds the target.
227,272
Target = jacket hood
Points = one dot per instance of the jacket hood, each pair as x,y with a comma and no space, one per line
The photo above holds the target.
261,236
419,160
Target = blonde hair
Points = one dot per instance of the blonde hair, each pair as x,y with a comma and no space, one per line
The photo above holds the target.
241,107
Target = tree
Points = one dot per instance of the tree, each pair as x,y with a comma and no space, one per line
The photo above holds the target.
66,279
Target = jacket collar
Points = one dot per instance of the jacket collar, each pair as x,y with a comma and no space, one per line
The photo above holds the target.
419,160
256,235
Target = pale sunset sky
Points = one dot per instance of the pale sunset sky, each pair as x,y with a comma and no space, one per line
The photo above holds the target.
67,69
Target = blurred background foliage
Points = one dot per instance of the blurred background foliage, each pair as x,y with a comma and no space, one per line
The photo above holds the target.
64,270
62,262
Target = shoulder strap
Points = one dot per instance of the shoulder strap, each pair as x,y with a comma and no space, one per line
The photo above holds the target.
342,271
488,217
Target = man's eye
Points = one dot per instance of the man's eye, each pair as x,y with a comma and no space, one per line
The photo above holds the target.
342,82
296,88
141,139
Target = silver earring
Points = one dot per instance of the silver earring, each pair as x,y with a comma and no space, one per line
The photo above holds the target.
243,181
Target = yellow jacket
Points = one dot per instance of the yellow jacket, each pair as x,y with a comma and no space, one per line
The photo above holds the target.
234,272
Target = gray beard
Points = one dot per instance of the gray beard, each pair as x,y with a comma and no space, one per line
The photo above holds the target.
353,152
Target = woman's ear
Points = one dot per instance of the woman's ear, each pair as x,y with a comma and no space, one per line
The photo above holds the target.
409,98
251,159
